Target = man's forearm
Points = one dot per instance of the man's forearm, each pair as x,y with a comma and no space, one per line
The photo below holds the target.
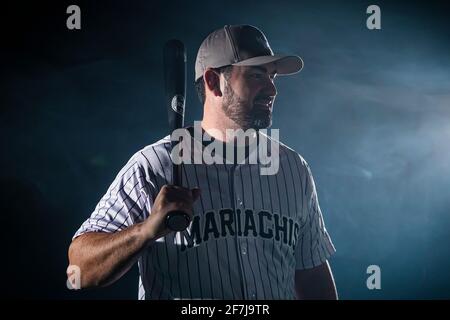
105,257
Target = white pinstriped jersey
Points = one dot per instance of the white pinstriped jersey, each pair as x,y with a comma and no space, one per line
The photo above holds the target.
250,231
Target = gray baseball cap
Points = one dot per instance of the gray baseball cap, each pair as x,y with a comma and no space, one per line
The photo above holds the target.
241,45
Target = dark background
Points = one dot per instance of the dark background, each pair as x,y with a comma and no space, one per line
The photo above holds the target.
370,112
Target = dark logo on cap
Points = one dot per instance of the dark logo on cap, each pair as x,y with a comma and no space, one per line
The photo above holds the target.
177,104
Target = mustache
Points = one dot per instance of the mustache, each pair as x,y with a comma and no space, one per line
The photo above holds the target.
264,98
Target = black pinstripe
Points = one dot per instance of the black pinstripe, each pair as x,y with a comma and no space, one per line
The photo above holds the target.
243,283
196,251
206,244
215,241
254,240
264,242
273,242
246,240
226,240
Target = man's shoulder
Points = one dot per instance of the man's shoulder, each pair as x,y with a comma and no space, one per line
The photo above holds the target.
160,146
285,151
153,155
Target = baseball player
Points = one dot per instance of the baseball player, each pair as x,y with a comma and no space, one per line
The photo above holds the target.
251,236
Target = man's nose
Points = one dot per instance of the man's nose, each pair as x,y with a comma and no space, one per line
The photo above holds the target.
271,89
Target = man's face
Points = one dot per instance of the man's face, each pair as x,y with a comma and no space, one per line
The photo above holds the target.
248,96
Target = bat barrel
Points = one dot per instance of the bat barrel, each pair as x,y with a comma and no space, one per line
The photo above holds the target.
175,82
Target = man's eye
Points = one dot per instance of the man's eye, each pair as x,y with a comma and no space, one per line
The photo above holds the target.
257,76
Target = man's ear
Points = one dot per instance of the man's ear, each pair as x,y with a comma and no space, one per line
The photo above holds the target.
212,82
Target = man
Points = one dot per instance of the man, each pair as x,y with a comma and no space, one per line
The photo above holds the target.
251,236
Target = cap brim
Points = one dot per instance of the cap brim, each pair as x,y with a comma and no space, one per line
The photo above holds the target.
284,64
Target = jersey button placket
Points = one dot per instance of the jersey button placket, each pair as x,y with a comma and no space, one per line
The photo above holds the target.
243,248
238,191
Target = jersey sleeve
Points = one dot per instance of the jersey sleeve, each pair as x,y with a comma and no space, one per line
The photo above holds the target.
127,201
314,244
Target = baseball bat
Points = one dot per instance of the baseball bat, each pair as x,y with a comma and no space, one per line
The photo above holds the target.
175,93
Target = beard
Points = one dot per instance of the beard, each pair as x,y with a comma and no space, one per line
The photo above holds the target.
243,112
